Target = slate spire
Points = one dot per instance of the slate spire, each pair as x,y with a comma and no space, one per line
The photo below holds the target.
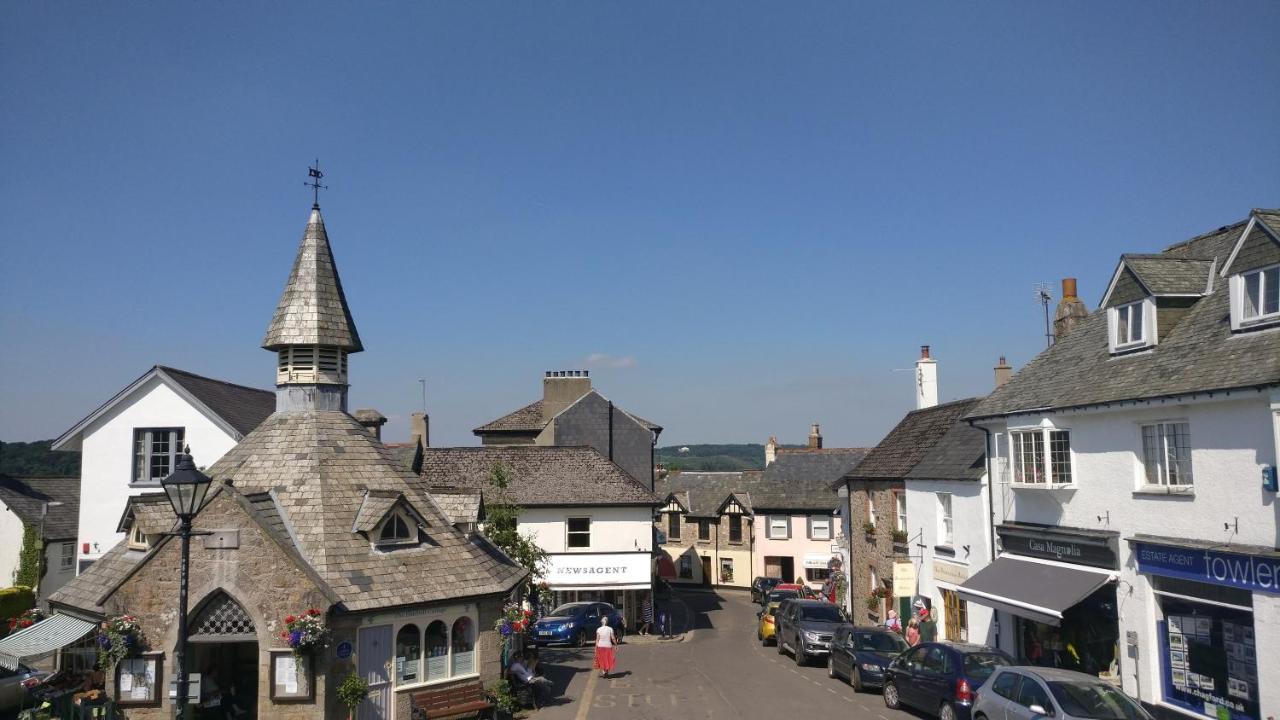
313,309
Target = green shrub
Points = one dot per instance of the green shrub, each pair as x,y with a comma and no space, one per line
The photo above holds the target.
13,602
29,557
352,691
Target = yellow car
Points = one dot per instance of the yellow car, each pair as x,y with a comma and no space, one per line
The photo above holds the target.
767,629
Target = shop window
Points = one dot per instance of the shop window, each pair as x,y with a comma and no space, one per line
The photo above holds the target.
1208,648
957,616
437,645
779,527
704,529
1085,641
579,532
686,567
816,574
673,526
464,644
408,654
735,528
1166,453
819,528
726,570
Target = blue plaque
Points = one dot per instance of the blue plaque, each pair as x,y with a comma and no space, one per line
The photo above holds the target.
343,651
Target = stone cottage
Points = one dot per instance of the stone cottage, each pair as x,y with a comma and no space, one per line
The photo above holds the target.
310,510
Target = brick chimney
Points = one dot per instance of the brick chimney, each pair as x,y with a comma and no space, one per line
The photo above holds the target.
926,380
815,437
562,388
1071,310
420,429
1003,372
371,420
770,451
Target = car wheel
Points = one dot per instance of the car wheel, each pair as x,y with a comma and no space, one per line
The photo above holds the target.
777,640
831,667
855,679
891,696
946,712
581,639
800,656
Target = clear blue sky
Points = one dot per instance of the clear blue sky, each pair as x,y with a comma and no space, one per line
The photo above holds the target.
757,210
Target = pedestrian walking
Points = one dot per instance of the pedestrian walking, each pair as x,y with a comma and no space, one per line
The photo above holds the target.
646,615
913,632
928,627
605,657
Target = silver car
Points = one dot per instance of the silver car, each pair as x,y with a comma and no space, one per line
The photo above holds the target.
1034,693
12,693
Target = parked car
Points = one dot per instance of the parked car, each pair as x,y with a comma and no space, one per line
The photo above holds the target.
761,586
767,626
861,654
805,628
13,686
576,623
1024,693
941,677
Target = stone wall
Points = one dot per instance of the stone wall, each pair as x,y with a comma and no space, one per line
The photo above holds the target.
871,550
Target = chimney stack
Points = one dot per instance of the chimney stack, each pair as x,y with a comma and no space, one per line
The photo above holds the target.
371,420
770,451
1071,310
926,380
562,388
815,437
1003,372
420,429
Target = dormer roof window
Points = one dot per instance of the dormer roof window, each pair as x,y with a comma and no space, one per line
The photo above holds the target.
1258,294
1132,325
397,530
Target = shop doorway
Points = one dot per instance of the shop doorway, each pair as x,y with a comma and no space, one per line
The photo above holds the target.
781,567
224,650
706,570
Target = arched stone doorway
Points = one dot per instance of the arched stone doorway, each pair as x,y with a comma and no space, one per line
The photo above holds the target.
224,650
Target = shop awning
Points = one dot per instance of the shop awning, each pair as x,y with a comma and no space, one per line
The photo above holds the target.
1033,590
44,637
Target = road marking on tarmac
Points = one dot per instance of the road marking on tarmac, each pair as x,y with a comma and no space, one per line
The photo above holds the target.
584,703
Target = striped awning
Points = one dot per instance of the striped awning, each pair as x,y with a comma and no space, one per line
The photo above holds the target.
50,634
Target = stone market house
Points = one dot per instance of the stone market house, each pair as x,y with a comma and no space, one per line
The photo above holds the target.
309,510
1134,466
593,519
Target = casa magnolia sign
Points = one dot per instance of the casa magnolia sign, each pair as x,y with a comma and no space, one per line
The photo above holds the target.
1078,547
569,570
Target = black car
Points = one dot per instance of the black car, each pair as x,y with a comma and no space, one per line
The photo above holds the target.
861,654
941,677
805,627
761,586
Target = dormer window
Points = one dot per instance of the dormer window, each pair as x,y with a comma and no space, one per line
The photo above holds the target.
1260,299
397,530
138,539
1132,325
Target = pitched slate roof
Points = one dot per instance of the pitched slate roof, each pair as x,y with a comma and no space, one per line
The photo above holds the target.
87,590
151,513
1270,217
802,483
317,466
462,505
546,476
1164,275
961,454
376,505
702,493
528,419
313,309
25,496
909,442
1199,354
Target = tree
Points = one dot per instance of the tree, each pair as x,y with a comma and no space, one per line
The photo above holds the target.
501,513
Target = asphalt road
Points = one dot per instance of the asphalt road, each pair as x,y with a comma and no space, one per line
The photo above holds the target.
720,670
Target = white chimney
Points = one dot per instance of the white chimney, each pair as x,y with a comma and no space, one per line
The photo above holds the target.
926,380
770,451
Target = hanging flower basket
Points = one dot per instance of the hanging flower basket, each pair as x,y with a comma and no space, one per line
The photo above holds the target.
26,619
514,620
118,638
306,633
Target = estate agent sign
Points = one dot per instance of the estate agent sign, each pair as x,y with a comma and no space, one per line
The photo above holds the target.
1246,572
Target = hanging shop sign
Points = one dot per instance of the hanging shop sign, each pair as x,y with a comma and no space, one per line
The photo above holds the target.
1081,547
1246,572
904,579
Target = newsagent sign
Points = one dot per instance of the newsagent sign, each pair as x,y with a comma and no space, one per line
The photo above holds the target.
597,570
1246,572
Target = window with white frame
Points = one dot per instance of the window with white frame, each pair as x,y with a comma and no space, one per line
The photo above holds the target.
155,453
1128,326
871,509
779,527
819,527
578,531
1032,465
1260,295
1166,453
68,558
435,650
900,504
137,538
946,522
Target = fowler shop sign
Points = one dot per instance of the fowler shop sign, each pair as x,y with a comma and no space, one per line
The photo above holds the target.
1246,572
597,570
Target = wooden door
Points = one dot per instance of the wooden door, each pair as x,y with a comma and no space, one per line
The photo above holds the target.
706,570
375,650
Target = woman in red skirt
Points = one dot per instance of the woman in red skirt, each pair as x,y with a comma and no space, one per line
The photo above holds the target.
604,650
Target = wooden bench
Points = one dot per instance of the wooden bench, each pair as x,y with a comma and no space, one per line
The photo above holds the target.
460,699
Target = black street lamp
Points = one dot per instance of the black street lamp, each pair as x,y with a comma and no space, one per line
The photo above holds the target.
186,487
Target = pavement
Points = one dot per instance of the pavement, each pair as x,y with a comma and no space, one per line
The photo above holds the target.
716,669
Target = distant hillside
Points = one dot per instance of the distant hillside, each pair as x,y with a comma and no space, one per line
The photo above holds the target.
35,458
712,458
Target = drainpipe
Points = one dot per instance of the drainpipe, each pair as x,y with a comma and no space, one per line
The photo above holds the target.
991,514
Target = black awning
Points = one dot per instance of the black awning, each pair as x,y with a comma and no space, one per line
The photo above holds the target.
1033,590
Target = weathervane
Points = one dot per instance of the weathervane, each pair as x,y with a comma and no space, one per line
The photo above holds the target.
315,175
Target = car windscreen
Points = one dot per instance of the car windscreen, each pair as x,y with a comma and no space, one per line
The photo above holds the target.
1095,700
979,665
824,613
567,609
884,642
780,595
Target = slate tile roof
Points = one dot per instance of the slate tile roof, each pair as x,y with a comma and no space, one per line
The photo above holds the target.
244,408
909,442
151,513
528,419
802,483
313,309
961,454
88,589
1164,275
26,495
546,476
1199,354
376,505
461,505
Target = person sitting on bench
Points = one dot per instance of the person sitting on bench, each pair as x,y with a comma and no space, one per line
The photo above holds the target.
522,669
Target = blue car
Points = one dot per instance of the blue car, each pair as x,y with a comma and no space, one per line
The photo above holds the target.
861,654
941,678
576,624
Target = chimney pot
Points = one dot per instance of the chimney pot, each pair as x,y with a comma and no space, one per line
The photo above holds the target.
924,352
815,436
1003,372
1068,287
926,380
1071,310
